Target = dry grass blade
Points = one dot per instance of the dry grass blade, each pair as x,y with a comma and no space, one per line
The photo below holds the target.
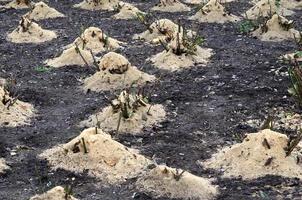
84,145
292,143
268,123
79,52
178,174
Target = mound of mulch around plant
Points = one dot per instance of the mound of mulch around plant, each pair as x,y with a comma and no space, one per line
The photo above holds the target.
96,40
92,41
12,111
163,181
3,166
115,72
108,5
97,153
127,11
110,119
292,4
214,12
205,1
30,32
42,11
18,4
71,57
276,29
260,154
289,4
264,8
169,60
170,6
163,29
56,193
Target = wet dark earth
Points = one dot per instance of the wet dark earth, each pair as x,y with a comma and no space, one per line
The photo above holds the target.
206,105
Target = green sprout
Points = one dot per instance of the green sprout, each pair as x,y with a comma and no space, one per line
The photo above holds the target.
295,74
42,69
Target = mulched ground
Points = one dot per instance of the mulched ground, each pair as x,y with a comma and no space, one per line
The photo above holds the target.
206,105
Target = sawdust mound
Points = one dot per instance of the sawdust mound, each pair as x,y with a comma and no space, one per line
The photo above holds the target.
18,4
127,11
276,30
214,12
255,158
108,5
292,4
265,8
12,111
96,40
169,60
56,193
194,1
145,115
289,4
92,41
116,72
162,181
163,29
3,166
105,158
30,32
42,11
170,6
71,57
205,1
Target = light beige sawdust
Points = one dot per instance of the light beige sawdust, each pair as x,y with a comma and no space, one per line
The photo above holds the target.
96,40
161,182
275,30
105,159
146,115
289,4
265,8
292,4
71,57
253,158
42,11
3,166
115,72
200,2
108,5
56,193
30,32
12,111
168,60
214,12
170,6
127,11
194,1
18,4
163,29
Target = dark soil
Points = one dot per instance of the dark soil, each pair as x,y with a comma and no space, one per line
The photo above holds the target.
207,106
